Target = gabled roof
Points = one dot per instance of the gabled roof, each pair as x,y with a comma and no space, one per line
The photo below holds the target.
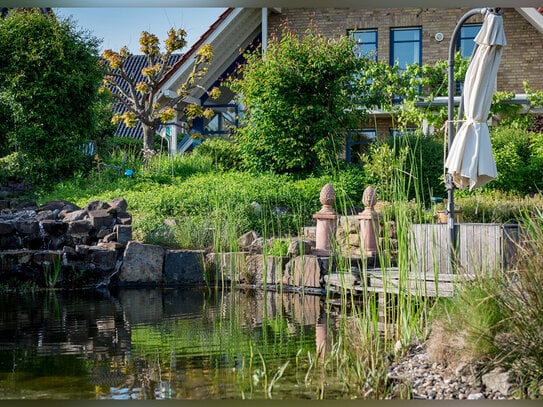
194,48
533,16
233,31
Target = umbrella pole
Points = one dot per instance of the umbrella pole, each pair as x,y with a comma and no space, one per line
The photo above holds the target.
451,131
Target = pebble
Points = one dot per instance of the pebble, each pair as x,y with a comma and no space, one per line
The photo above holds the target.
434,381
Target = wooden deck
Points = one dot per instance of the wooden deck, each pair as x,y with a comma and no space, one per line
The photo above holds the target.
393,282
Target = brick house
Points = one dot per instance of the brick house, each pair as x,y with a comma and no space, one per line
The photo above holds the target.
408,35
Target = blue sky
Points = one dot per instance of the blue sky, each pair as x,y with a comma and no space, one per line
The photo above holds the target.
122,26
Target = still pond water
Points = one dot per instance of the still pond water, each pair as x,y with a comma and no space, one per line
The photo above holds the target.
162,344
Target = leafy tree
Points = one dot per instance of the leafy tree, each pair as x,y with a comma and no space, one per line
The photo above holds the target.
49,76
139,98
299,102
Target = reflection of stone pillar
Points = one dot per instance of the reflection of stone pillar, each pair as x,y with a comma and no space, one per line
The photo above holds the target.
322,341
326,220
369,223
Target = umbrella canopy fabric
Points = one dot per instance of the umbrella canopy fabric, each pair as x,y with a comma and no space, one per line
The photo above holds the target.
470,160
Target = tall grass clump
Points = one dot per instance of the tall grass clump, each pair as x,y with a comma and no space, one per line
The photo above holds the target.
520,340
403,196
497,320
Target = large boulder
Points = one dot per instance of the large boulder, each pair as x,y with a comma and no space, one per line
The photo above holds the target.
304,271
142,264
184,267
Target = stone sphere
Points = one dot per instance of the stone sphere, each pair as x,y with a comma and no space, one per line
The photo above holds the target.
328,195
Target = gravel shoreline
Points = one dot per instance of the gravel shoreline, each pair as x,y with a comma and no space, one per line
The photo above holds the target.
428,380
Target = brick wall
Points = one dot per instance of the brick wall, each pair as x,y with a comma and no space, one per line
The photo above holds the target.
521,59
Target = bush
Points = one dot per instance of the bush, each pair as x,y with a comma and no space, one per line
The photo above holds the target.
224,153
50,76
513,155
298,107
417,161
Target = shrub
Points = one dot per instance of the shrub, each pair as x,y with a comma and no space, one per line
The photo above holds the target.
298,107
50,76
224,153
416,159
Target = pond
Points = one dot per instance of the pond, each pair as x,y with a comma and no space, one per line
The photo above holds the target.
164,344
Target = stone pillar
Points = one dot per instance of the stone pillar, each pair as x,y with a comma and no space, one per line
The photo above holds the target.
326,221
369,224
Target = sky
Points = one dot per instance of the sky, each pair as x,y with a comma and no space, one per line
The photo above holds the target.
118,27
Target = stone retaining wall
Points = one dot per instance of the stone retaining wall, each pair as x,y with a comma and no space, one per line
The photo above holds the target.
92,247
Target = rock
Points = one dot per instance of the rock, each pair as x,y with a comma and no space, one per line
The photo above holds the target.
54,227
299,247
11,259
31,227
110,237
46,215
96,206
229,266
309,232
124,218
79,227
184,267
110,245
476,396
265,269
349,224
303,271
58,204
247,239
102,258
142,263
123,233
103,232
6,227
497,380
101,218
117,205
73,215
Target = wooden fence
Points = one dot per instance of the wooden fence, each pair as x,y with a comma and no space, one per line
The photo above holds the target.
481,247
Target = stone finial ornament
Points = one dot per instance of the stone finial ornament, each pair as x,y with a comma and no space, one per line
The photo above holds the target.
326,221
369,197
327,198
369,223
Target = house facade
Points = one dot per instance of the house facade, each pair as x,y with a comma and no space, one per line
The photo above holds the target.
407,35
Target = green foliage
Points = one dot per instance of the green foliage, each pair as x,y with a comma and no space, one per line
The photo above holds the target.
509,114
396,90
184,203
224,153
298,104
9,167
498,317
49,76
470,320
518,160
418,159
520,295
51,273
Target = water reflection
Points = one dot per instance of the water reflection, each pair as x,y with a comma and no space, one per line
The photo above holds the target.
149,343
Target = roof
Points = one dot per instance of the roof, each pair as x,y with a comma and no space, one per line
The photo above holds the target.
230,35
133,66
192,50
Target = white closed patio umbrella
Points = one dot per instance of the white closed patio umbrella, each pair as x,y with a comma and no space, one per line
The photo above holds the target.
470,160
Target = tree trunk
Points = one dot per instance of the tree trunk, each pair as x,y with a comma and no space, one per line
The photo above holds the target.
148,137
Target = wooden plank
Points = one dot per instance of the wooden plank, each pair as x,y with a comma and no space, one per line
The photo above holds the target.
446,277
